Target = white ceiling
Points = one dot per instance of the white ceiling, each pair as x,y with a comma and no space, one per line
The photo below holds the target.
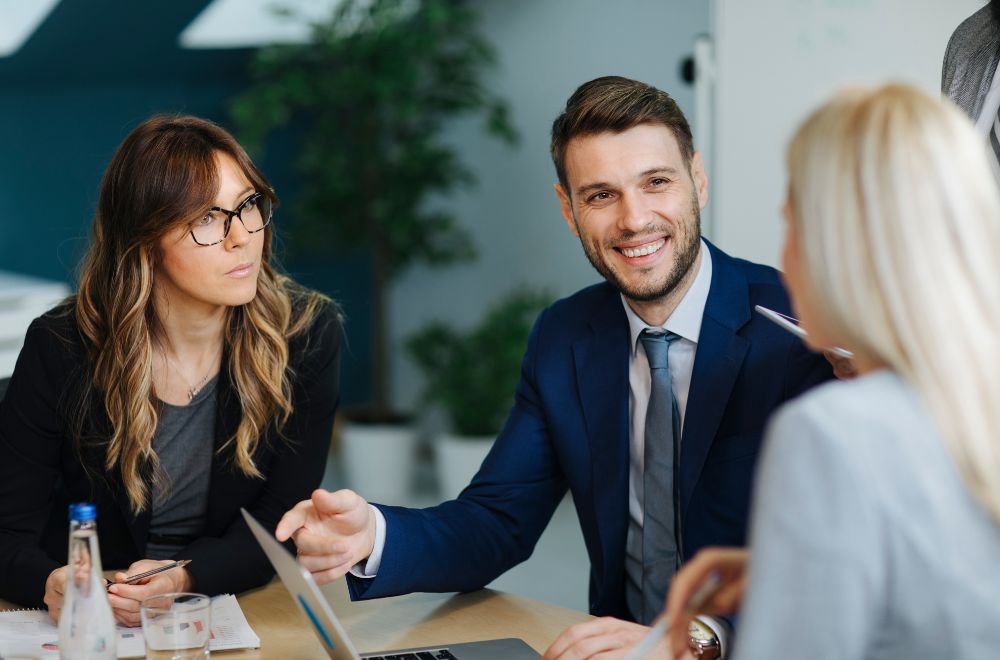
251,23
19,19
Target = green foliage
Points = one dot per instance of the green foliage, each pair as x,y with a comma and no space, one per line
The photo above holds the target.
473,374
372,93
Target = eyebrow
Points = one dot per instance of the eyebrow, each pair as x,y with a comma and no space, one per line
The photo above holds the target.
672,172
241,197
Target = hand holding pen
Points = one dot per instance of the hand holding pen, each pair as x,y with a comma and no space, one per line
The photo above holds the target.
132,579
144,579
711,583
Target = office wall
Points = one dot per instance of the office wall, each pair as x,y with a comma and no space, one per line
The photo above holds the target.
546,49
778,59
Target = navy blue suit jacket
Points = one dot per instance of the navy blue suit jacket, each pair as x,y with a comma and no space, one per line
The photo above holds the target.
570,428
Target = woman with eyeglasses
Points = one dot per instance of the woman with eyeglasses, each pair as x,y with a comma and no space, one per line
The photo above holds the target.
185,379
875,530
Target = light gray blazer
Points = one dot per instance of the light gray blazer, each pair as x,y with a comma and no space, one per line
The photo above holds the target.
865,542
970,60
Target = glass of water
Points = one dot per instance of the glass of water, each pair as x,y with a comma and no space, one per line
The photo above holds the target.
176,626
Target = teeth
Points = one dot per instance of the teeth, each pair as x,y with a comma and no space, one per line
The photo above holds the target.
649,248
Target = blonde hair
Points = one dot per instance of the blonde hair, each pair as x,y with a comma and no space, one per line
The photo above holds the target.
898,221
163,175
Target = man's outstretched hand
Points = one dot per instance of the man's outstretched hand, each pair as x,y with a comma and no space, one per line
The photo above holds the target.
332,531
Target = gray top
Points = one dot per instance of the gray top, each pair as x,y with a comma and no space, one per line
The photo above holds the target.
184,441
865,541
970,61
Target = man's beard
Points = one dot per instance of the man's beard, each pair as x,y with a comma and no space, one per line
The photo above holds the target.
685,256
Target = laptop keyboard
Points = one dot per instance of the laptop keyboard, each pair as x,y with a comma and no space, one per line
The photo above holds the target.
442,654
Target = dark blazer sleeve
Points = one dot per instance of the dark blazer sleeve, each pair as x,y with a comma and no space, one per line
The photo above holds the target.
494,524
32,436
233,561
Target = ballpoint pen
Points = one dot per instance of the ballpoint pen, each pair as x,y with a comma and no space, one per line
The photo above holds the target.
792,325
698,600
156,571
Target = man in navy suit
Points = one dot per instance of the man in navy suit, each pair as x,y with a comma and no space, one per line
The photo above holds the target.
631,188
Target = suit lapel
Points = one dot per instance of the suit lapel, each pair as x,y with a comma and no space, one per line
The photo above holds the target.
717,364
601,361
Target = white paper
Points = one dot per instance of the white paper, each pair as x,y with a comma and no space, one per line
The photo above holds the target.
33,634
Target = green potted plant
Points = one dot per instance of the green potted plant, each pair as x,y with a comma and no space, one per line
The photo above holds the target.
472,375
365,104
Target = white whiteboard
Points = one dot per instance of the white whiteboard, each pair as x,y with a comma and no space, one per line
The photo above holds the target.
775,60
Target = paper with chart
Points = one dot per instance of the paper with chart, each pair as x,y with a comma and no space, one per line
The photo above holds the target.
31,633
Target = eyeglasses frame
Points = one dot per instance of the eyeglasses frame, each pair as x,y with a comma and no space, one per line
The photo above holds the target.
237,213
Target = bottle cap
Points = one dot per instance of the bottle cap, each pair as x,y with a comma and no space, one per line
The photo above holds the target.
82,511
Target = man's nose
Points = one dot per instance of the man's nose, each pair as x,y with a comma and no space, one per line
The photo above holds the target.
634,214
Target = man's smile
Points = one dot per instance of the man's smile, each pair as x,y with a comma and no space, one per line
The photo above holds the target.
642,249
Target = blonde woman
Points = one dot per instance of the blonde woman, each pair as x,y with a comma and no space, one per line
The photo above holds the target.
876,521
187,378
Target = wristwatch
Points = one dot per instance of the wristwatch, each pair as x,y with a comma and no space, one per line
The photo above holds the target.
703,641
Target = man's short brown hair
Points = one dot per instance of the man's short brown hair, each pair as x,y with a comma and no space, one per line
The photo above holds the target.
615,104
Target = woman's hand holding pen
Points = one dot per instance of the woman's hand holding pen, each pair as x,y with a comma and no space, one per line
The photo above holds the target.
332,532
55,587
125,598
729,566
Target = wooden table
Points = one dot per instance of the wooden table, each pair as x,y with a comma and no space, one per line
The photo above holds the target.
401,622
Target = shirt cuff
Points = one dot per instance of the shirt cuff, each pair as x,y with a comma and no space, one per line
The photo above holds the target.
368,568
721,630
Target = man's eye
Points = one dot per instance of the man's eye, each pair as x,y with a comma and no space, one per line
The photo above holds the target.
659,181
600,197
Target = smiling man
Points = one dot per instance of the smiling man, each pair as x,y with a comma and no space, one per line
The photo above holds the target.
645,395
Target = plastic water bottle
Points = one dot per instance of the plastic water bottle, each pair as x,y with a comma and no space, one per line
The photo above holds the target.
86,624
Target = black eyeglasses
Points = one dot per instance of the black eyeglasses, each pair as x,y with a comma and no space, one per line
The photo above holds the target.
254,212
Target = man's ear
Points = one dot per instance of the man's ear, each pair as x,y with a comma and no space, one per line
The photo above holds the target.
700,178
566,208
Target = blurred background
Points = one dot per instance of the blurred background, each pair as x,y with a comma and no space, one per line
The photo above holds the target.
408,142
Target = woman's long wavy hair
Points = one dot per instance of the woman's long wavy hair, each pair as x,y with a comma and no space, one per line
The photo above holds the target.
898,218
163,176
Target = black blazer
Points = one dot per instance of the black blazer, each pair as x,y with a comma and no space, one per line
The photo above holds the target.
42,470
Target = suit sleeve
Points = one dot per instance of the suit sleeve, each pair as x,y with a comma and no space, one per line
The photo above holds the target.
496,521
804,370
32,435
814,578
234,562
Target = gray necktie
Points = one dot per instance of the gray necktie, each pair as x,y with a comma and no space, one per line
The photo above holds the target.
660,556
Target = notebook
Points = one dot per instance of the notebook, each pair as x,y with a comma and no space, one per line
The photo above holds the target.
338,646
32,634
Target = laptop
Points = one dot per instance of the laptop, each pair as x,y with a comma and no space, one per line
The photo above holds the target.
306,594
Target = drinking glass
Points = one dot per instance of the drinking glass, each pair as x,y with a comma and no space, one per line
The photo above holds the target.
176,626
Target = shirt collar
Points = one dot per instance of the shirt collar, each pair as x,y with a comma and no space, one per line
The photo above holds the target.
686,318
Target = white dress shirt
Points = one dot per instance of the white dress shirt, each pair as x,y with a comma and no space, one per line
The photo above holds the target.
685,322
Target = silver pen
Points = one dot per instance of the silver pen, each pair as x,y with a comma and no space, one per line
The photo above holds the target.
156,571
792,325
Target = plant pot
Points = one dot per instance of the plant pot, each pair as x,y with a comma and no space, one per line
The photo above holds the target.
378,460
458,458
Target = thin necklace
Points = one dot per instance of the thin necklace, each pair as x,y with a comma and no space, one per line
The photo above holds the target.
192,390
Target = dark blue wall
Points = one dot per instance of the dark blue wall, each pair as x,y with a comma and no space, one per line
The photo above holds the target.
92,71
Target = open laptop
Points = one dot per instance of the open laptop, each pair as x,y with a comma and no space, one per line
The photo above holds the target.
310,599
